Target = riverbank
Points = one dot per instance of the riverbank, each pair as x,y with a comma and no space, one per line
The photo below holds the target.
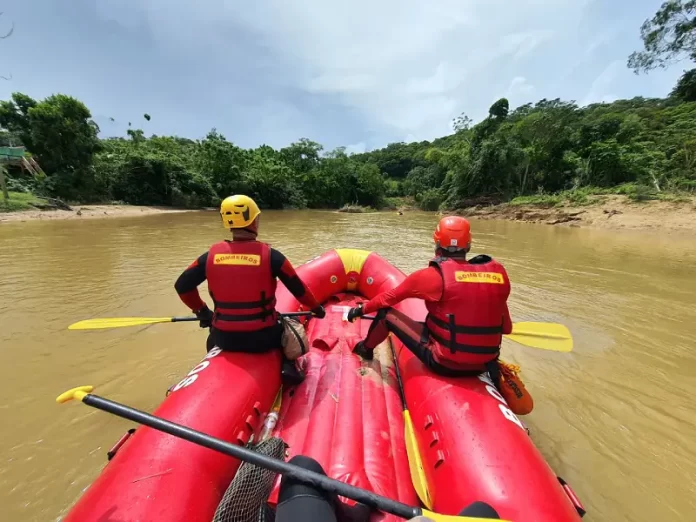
615,212
87,212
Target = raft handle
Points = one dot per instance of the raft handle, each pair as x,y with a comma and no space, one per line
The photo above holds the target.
112,452
573,497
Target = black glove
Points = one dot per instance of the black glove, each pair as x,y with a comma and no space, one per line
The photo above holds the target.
205,316
355,312
363,352
319,312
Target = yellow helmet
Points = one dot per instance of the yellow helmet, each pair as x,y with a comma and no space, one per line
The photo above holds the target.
238,211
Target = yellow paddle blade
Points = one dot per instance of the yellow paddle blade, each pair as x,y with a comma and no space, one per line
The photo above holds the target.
117,322
454,518
546,336
415,463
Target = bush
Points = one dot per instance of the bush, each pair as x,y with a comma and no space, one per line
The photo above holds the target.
431,199
19,201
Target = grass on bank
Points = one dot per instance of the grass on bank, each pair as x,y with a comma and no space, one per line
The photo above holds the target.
591,195
355,209
20,201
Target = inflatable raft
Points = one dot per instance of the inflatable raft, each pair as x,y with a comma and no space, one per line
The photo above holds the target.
347,414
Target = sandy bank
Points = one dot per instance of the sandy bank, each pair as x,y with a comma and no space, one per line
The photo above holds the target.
607,212
86,212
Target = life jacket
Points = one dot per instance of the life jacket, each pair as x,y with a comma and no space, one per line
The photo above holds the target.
466,324
242,286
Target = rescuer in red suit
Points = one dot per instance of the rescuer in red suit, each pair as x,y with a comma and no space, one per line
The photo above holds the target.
467,314
241,278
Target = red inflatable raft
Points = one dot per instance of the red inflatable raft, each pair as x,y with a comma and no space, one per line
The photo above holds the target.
347,414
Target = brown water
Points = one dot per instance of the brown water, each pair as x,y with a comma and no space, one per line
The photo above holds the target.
615,418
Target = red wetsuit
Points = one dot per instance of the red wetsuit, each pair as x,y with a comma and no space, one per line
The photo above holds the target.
426,284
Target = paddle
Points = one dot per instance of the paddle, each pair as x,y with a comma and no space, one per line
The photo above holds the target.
545,336
415,463
120,322
368,498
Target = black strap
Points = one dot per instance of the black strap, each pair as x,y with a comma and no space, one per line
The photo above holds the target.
458,347
244,305
242,318
469,330
453,333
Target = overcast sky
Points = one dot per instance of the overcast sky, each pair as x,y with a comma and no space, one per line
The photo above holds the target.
359,73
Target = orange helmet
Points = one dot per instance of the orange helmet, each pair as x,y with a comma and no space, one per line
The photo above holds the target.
453,233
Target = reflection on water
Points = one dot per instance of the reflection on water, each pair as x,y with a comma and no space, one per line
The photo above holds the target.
614,418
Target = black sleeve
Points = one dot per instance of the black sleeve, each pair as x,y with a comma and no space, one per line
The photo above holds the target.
193,276
283,270
277,262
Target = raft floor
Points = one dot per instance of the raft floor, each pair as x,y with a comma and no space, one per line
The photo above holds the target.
347,413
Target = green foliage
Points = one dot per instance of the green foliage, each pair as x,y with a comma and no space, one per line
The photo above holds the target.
19,201
181,172
645,146
668,37
685,89
396,160
431,199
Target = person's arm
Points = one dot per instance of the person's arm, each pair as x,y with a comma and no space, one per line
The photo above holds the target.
423,284
507,321
189,280
283,270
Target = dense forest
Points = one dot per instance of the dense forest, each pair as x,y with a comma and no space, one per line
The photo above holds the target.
636,146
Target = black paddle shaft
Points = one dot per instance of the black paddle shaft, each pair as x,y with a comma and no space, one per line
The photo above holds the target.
194,318
286,469
402,393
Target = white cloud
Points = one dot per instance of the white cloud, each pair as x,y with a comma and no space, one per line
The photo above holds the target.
519,91
600,90
406,66
362,72
356,148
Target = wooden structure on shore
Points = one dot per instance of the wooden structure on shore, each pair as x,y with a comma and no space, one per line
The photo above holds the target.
16,156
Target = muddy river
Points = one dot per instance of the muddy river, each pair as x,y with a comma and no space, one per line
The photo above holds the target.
615,418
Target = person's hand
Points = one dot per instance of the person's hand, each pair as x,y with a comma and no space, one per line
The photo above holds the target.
355,312
319,312
205,316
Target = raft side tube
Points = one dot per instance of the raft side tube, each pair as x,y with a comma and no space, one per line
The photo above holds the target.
160,478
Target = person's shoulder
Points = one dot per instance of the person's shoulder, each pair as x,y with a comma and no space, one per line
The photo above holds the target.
219,244
482,259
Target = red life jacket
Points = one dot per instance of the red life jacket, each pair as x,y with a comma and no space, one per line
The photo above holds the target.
471,310
242,286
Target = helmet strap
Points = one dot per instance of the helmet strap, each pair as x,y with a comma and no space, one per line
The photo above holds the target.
458,253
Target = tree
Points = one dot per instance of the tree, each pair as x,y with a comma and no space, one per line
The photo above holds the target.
668,37
63,134
14,116
685,89
499,110
302,156
462,123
